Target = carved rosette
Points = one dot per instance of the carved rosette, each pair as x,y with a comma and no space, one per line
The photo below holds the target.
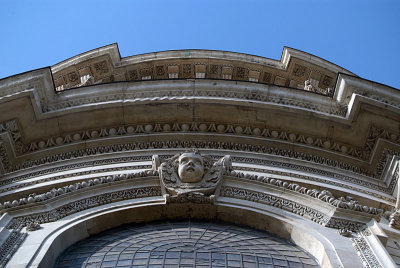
191,177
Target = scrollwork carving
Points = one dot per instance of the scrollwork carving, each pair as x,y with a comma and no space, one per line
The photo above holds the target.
364,251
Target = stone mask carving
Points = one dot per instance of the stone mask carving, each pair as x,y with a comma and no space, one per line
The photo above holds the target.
191,167
190,172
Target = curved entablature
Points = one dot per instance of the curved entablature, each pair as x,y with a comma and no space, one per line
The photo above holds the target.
168,190
305,158
296,69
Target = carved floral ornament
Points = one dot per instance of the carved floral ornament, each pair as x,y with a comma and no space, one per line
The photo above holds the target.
362,153
233,146
187,177
189,173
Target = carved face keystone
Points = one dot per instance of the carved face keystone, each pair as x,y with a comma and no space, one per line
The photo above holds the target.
191,168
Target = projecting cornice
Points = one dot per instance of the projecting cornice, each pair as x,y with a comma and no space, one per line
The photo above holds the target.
349,140
296,69
113,52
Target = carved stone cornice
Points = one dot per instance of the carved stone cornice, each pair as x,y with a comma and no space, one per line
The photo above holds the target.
212,145
55,194
275,201
323,143
323,195
96,200
321,180
175,143
105,65
269,134
32,219
198,90
65,175
90,163
332,221
346,203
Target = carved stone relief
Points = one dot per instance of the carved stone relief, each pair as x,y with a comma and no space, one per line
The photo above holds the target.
133,75
101,67
299,70
199,127
394,220
191,176
364,250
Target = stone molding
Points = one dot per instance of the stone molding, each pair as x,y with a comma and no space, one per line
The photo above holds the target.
93,201
57,177
321,180
179,144
296,154
323,195
89,163
364,250
214,145
105,65
346,203
68,175
61,210
333,221
10,246
61,192
270,200
149,91
218,91
45,171
322,143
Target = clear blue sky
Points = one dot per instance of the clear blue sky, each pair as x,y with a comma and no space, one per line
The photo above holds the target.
361,36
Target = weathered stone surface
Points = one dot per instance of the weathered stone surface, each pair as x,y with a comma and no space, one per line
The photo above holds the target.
314,152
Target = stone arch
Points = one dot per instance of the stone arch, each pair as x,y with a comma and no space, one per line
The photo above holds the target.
82,226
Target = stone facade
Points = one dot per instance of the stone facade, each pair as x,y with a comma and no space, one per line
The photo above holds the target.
300,148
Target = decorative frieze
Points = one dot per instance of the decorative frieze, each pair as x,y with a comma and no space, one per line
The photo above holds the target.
234,93
289,136
83,204
341,202
46,171
55,193
291,206
319,142
10,245
345,224
199,127
69,175
189,144
275,201
316,179
364,251
265,163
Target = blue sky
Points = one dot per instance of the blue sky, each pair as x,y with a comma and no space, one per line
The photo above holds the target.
361,36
